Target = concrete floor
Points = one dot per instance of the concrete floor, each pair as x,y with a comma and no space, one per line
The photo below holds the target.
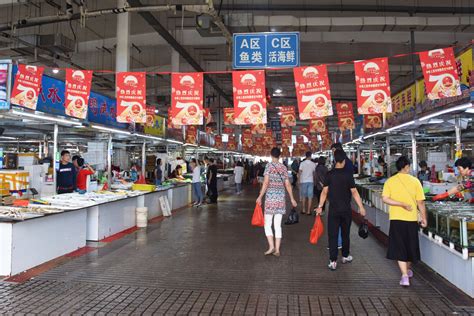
210,261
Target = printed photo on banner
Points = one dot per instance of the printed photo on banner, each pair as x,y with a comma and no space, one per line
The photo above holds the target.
131,97
440,73
191,134
78,88
27,86
287,116
313,92
286,136
373,86
250,101
259,129
207,115
373,121
187,98
150,116
345,116
305,130
231,143
318,125
218,141
171,123
229,116
247,138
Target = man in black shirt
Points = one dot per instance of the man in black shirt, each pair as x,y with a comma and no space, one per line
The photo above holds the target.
339,188
66,174
212,181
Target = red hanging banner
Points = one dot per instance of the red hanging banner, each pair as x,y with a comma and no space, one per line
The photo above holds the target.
229,116
317,125
218,141
207,116
286,136
250,102
373,86
440,73
268,138
77,91
170,120
314,143
259,129
187,98
326,141
345,116
191,134
27,86
231,143
150,116
247,138
287,116
228,130
305,130
313,92
131,97
372,121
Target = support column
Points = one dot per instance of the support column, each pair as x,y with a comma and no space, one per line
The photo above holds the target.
122,55
55,156
414,158
371,158
359,162
457,128
109,160
174,60
144,159
388,160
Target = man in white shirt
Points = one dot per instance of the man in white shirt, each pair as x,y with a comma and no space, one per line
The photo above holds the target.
306,175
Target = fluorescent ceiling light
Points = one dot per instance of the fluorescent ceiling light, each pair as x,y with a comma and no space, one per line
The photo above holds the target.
55,71
400,126
278,90
111,130
435,121
456,108
7,137
174,141
374,135
44,117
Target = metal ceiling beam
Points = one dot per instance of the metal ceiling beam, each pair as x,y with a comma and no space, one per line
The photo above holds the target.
160,29
409,10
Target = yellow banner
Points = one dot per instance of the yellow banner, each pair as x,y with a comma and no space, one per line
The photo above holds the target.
158,128
466,65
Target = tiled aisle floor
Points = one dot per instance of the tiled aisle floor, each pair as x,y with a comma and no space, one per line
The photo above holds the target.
210,261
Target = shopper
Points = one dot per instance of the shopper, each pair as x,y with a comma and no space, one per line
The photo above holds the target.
212,181
339,188
320,177
158,172
425,173
465,187
66,174
349,166
196,183
177,173
404,194
295,167
84,171
238,176
274,184
306,175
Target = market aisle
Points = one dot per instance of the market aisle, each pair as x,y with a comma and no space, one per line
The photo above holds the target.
210,260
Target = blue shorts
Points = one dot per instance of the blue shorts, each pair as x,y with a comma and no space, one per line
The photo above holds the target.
306,190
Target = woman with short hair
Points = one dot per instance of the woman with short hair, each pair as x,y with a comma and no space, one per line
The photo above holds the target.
274,183
404,194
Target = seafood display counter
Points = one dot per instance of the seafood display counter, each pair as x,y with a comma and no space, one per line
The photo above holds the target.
32,235
447,243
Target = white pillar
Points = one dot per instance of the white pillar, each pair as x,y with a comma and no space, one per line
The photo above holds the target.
457,128
413,154
359,162
174,60
122,55
55,155
388,160
109,160
144,159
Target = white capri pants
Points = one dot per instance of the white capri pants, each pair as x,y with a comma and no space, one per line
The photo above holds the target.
276,220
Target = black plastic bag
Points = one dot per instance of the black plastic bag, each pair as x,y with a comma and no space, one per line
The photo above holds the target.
293,218
364,230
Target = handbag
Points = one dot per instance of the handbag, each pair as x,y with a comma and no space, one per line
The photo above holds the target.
364,230
293,218
316,231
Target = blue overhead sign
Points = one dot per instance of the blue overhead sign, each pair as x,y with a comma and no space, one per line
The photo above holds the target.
266,50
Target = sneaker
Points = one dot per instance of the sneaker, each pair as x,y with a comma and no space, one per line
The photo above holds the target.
339,247
410,273
347,259
197,205
332,265
405,281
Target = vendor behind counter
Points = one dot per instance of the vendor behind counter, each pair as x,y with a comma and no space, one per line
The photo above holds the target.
66,174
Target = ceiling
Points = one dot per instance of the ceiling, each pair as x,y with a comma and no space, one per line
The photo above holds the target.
331,31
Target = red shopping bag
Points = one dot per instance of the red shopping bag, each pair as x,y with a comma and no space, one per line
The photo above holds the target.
255,182
316,231
257,218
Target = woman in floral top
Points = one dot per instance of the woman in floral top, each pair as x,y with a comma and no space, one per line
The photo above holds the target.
274,184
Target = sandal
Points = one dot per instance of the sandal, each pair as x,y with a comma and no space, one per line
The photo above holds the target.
269,252
276,254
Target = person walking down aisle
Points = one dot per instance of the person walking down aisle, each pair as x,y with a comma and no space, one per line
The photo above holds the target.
306,175
404,194
295,167
212,181
320,177
196,183
66,174
274,184
238,176
339,188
